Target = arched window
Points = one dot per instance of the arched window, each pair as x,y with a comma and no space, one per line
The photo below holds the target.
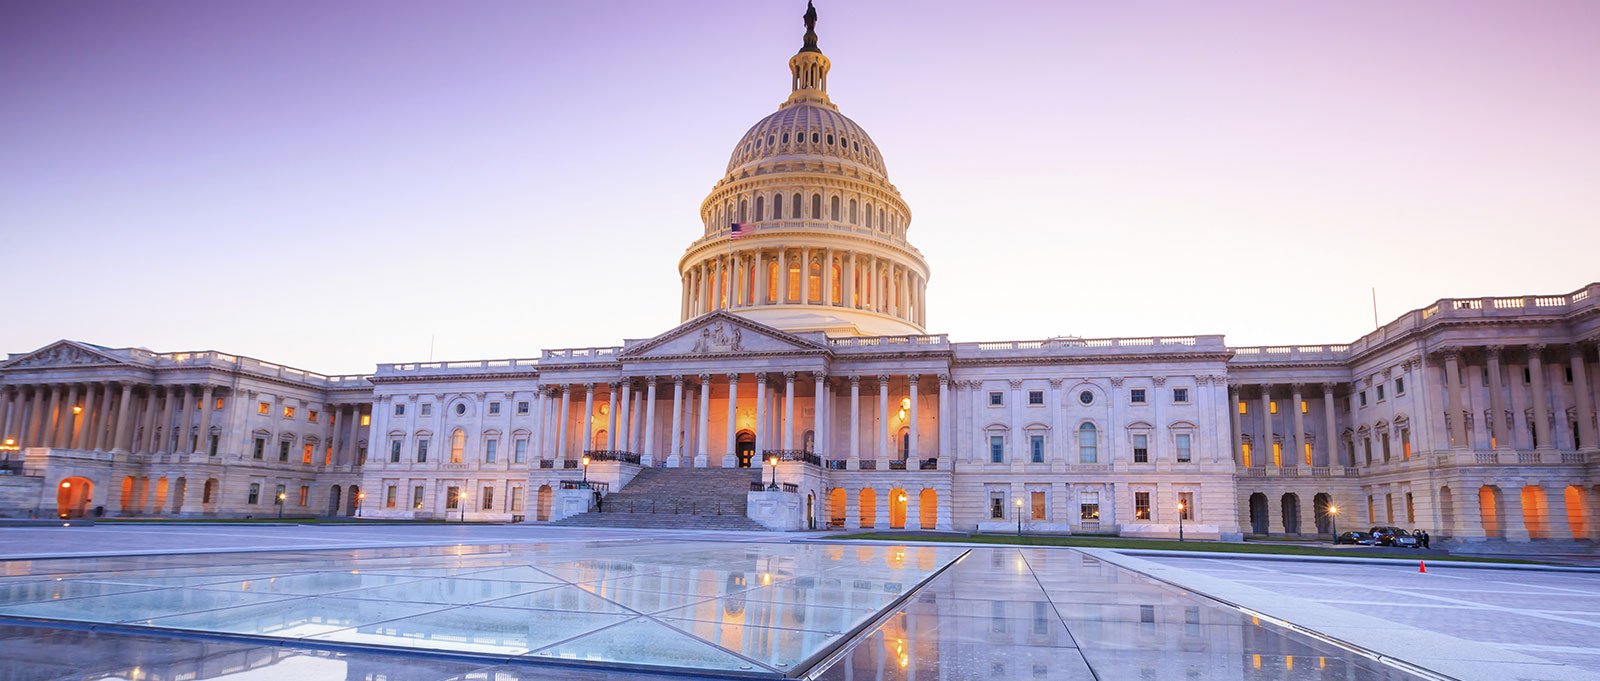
744,207
833,209
869,215
838,281
813,281
815,137
777,206
881,223
761,208
785,138
458,445
816,207
717,219
796,212
208,494
1088,444
853,215
772,280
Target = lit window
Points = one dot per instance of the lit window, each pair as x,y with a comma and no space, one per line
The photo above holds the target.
306,453
1244,453
996,398
288,412
1141,449
1405,442
1141,505
1136,395
1277,454
1272,407
452,498
305,494
1308,453
1244,407
366,419
263,408
1186,502
1180,395
389,496
1038,503
488,498
458,445
1089,506
416,497
1184,452
1305,407
218,404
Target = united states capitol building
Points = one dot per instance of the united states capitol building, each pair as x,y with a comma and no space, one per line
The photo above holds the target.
803,389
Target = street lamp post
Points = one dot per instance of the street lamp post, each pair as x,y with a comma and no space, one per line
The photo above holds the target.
281,497
585,461
461,500
1333,522
772,462
1019,516
360,497
1181,508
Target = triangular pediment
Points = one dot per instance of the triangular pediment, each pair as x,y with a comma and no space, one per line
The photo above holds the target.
63,353
721,333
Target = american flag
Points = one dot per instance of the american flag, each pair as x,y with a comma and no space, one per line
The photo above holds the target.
736,230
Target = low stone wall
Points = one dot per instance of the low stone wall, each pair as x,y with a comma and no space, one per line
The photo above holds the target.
19,494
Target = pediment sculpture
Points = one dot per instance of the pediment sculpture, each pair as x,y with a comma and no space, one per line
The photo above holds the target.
719,337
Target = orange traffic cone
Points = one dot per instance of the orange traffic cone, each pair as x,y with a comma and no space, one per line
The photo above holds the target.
1422,566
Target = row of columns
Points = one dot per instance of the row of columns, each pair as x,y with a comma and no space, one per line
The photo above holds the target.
741,278
633,419
99,416
1294,440
1451,359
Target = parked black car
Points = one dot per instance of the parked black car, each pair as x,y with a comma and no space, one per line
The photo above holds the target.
1394,536
1361,538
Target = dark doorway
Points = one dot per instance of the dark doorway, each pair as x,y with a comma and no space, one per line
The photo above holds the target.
745,448
1258,513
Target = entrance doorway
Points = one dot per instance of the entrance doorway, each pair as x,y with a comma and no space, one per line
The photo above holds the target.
745,448
72,497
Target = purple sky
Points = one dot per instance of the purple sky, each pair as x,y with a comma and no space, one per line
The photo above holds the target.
328,184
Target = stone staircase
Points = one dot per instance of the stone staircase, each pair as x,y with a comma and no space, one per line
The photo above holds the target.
677,499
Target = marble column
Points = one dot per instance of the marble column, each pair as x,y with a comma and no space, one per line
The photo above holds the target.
1264,448
1541,400
1501,436
586,436
783,275
675,451
944,420
335,435
207,397
883,424
622,424
848,271
1587,438
6,401
1455,415
788,410
1330,434
33,425
761,421
561,425
147,442
730,456
855,424
648,458
913,452
1298,393
83,426
68,438
611,415
102,422
702,453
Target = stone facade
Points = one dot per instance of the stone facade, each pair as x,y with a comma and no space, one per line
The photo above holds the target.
802,342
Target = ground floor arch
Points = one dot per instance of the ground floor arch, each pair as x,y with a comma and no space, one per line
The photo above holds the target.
897,508
838,498
1489,507
73,496
1447,511
928,509
1321,507
1577,511
546,498
1290,505
334,498
354,500
1258,513
868,505
1535,512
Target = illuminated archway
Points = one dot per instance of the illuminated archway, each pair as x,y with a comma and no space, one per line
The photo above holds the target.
542,511
837,499
72,497
868,508
1489,507
897,508
928,511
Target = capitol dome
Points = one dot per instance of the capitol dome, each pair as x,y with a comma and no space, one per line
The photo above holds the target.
804,231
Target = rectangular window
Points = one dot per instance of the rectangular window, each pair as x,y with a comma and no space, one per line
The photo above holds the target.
422,450
425,410
216,441
1089,506
488,498
1244,407
1400,385
997,506
1527,375
494,408
260,449
307,452
1088,445
452,498
366,420
1405,442
1272,407
1380,392
279,496
1141,505
1141,449
1362,398
400,410
1186,505
1366,446
1277,454
1035,397
516,499
491,451
283,451
1244,453
521,455
305,495
263,408
389,496
522,407
394,451
1308,453
1036,448
1184,452
206,493
997,449
1388,508
1305,407
311,415
218,405
1036,499
416,497
996,398
1569,374
1180,395
1136,395
1385,437
361,454
288,412
255,493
